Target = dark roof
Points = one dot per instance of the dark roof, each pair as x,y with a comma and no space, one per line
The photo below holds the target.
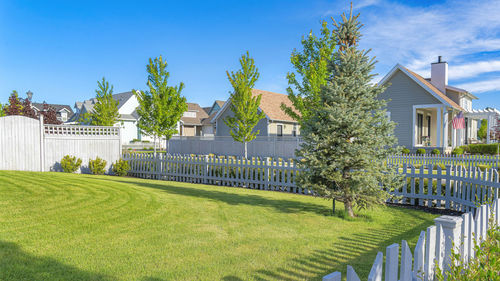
207,109
122,98
57,107
220,102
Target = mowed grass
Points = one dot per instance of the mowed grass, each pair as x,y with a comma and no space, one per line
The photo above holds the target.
56,226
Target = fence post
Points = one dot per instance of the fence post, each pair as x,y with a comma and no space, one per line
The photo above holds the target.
351,274
334,276
448,187
42,145
406,258
452,228
376,271
391,262
430,253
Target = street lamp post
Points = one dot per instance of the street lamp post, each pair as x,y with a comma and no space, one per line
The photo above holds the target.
30,95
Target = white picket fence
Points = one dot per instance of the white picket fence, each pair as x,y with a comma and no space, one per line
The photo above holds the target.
256,173
434,246
455,188
446,159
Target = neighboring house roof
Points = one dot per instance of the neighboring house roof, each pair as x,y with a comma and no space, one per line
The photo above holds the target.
207,109
57,107
121,98
424,84
270,104
200,115
462,91
220,103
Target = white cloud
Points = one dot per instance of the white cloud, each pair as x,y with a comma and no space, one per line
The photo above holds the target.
482,86
364,3
474,69
415,36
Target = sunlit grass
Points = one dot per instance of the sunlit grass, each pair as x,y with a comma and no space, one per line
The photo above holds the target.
56,226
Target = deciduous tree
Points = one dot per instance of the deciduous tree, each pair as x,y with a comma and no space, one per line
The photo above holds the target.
348,136
160,108
312,70
245,107
105,111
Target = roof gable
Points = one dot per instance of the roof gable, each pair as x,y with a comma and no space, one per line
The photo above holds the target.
426,85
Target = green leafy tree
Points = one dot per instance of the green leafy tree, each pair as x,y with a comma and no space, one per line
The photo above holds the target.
244,106
483,130
2,111
311,73
348,136
160,108
105,111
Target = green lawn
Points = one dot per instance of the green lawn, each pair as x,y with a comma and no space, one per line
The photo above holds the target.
56,226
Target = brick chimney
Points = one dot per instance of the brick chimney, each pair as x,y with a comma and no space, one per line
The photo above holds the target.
439,74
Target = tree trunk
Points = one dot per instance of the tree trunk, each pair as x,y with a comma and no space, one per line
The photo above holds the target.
333,207
348,208
154,145
246,150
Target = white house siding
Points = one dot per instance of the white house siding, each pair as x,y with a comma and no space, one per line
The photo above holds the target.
223,130
403,93
128,131
129,106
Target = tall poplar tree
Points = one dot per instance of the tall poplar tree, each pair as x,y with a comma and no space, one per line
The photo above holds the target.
161,108
105,111
311,72
244,106
348,135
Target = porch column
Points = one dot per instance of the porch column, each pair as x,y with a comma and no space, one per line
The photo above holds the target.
438,126
413,135
445,127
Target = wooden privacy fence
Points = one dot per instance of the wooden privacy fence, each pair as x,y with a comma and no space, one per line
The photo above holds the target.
454,160
456,187
27,144
434,246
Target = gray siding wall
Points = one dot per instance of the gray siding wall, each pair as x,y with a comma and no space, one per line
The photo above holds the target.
403,93
223,130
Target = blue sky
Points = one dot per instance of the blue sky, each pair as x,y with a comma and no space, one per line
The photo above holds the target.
59,49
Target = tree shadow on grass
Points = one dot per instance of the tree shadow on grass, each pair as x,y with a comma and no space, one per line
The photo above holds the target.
358,250
16,264
231,198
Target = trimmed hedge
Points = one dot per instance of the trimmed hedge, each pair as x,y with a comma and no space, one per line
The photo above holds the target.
480,148
435,151
457,151
421,151
405,151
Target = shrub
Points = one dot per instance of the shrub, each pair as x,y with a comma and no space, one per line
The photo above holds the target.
484,167
70,164
443,167
435,151
121,167
457,151
405,150
421,151
97,166
479,148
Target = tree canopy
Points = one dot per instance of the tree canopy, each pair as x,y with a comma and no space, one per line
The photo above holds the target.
243,104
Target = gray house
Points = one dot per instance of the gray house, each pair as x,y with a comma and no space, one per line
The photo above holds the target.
424,109
276,123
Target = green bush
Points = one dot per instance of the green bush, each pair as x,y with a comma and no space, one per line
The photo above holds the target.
484,167
435,151
405,150
421,151
485,149
443,167
121,167
457,151
97,166
70,164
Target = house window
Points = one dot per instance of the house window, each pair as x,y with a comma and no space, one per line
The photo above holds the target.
280,131
294,132
420,127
